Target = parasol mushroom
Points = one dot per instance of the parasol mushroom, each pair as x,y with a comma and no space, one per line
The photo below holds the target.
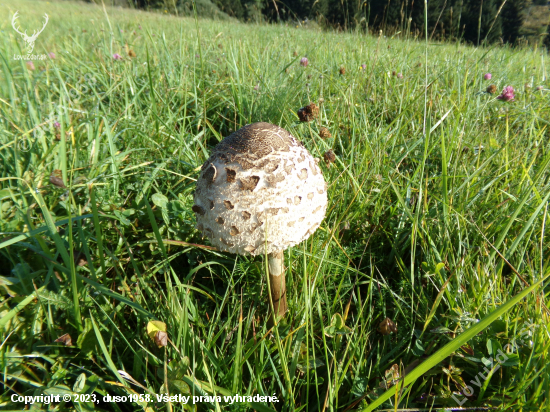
260,192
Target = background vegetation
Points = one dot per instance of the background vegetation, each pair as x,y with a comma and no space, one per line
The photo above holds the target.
472,21
438,216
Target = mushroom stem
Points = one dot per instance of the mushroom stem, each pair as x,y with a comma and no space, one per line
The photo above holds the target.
277,284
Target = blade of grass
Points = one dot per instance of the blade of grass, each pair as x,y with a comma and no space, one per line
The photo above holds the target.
6,318
453,345
105,352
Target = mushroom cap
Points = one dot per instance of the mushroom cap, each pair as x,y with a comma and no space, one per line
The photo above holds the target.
260,191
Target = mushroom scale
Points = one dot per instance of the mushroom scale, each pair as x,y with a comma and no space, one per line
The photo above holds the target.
256,170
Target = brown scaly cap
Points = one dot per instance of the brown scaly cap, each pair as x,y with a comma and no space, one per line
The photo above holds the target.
252,142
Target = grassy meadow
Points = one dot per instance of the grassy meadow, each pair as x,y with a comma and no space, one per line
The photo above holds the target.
426,286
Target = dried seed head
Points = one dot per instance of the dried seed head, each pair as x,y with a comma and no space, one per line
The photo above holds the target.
492,89
329,157
161,338
391,377
65,340
324,133
308,113
387,326
56,179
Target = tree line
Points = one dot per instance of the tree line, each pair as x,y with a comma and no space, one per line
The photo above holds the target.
473,21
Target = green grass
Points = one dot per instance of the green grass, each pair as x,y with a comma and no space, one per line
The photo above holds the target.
438,207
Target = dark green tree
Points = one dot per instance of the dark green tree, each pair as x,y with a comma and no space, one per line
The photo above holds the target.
546,40
204,8
479,21
384,13
276,10
233,8
443,18
512,17
344,14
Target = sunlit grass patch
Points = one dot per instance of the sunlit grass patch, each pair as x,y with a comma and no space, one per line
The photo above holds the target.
438,195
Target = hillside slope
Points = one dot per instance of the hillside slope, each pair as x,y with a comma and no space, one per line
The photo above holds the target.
431,262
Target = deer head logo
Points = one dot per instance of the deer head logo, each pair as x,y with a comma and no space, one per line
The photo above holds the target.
29,39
